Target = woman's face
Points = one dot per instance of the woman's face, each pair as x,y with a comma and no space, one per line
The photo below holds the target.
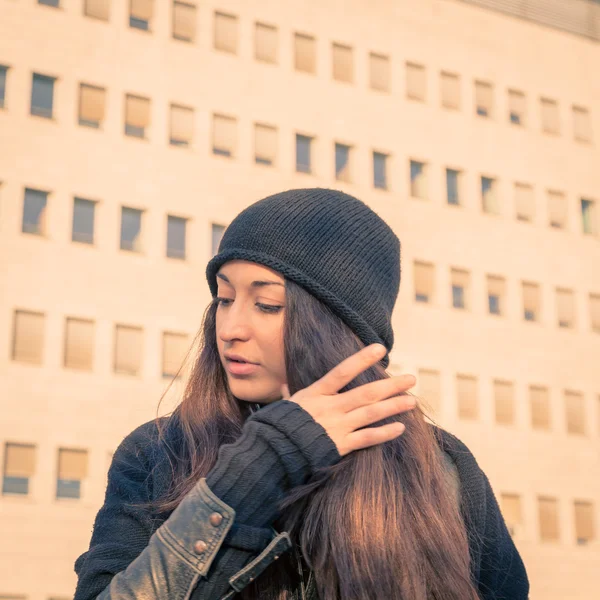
250,328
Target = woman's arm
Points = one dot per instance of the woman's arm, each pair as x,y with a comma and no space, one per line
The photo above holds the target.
211,544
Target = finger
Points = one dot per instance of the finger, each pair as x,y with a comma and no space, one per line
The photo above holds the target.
372,436
372,413
285,392
342,374
375,391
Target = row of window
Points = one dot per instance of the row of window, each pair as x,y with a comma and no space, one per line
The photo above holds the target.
426,292
266,49
72,471
128,351
541,416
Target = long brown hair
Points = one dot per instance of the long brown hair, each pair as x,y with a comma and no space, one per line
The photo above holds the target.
384,522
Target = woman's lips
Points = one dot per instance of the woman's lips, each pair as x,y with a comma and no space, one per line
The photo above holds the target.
238,368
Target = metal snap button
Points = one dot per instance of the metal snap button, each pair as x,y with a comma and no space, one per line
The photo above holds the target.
200,547
215,519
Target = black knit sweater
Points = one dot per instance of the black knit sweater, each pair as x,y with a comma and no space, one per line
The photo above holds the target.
280,447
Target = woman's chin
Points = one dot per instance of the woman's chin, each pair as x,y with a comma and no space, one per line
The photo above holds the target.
252,391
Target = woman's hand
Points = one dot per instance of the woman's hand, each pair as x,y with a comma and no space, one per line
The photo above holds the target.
341,415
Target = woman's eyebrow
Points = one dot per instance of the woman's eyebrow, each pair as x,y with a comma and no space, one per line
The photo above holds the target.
254,284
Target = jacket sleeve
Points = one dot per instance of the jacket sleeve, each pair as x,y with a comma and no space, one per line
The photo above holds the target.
219,538
502,574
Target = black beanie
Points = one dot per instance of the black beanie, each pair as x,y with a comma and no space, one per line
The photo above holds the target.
331,244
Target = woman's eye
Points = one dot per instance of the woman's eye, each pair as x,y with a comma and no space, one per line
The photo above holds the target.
223,301
269,308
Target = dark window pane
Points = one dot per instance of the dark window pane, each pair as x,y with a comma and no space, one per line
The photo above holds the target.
88,123
217,234
15,485
458,296
42,95
452,186
303,153
54,3
416,169
263,161
486,185
83,221
2,85
34,206
68,488
379,170
175,237
421,297
586,215
529,315
515,118
134,131
139,23
342,156
221,151
131,227
494,304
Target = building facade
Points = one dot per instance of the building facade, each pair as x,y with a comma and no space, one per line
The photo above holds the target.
132,132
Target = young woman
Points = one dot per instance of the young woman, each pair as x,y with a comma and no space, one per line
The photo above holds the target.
295,466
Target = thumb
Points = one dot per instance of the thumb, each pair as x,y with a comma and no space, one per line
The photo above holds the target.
285,392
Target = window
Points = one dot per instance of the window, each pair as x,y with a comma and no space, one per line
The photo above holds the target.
531,301
175,347
305,53
343,67
303,152
181,126
466,388
452,186
42,95
516,107
19,468
450,90
548,519
184,21
379,72
511,511
584,522
53,3
3,71
265,144
380,170
224,135
342,162
575,412
225,33
416,82
460,286
595,312
265,43
557,209
582,124
424,282
565,308
97,9
28,337
496,289
83,221
484,99
140,14
72,470
418,179
131,229
589,217
176,229
91,105
430,390
489,196
216,235
540,407
128,350
524,202
550,120
79,344
34,212
504,402
137,116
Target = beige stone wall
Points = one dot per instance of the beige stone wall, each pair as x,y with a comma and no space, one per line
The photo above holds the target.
52,407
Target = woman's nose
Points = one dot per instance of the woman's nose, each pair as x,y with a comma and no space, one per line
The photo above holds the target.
234,325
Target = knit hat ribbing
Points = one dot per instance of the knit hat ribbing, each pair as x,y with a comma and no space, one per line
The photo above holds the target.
331,244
